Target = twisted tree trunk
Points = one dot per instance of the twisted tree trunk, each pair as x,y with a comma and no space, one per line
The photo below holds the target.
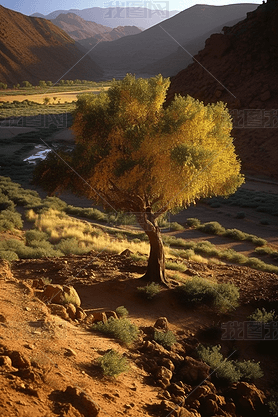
156,262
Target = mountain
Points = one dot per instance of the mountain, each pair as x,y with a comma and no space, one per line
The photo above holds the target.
183,56
114,34
88,33
34,49
78,28
135,53
240,68
118,16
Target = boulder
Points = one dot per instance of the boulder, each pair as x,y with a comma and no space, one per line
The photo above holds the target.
58,294
250,397
19,360
71,310
58,310
162,324
193,372
80,314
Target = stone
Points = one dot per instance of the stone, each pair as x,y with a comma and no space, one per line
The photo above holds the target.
59,310
3,318
209,407
19,360
193,372
183,412
81,400
249,396
70,352
126,253
6,362
162,323
99,316
58,294
80,314
71,310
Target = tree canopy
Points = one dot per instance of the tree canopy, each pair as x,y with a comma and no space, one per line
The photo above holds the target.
134,154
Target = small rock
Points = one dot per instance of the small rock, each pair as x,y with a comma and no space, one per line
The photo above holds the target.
80,314
3,318
27,308
100,316
19,360
70,352
6,362
58,310
161,323
29,346
71,310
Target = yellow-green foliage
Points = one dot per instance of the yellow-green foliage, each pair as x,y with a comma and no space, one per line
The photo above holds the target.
132,151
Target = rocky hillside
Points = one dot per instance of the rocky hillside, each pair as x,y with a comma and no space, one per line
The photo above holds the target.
134,54
81,30
78,28
35,49
239,67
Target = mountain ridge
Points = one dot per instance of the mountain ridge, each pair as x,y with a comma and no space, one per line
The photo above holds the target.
28,43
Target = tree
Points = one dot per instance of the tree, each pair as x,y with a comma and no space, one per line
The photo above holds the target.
26,84
135,155
3,86
42,83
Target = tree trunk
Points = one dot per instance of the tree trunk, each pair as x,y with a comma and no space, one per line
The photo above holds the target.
156,262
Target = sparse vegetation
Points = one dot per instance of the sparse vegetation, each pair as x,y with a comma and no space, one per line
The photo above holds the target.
215,228
166,339
121,311
197,291
113,364
263,316
149,291
121,329
229,371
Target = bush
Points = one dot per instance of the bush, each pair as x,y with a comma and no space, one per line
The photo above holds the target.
176,226
262,316
121,329
10,220
193,222
34,234
71,246
149,291
122,311
249,370
166,339
8,255
113,364
228,371
214,228
198,290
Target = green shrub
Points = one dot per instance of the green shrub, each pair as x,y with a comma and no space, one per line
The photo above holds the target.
113,364
55,203
149,291
71,246
200,291
193,222
249,370
121,311
8,255
10,220
262,316
214,228
34,234
176,226
228,371
121,329
166,339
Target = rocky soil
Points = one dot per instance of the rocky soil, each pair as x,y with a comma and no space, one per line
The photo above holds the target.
48,352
